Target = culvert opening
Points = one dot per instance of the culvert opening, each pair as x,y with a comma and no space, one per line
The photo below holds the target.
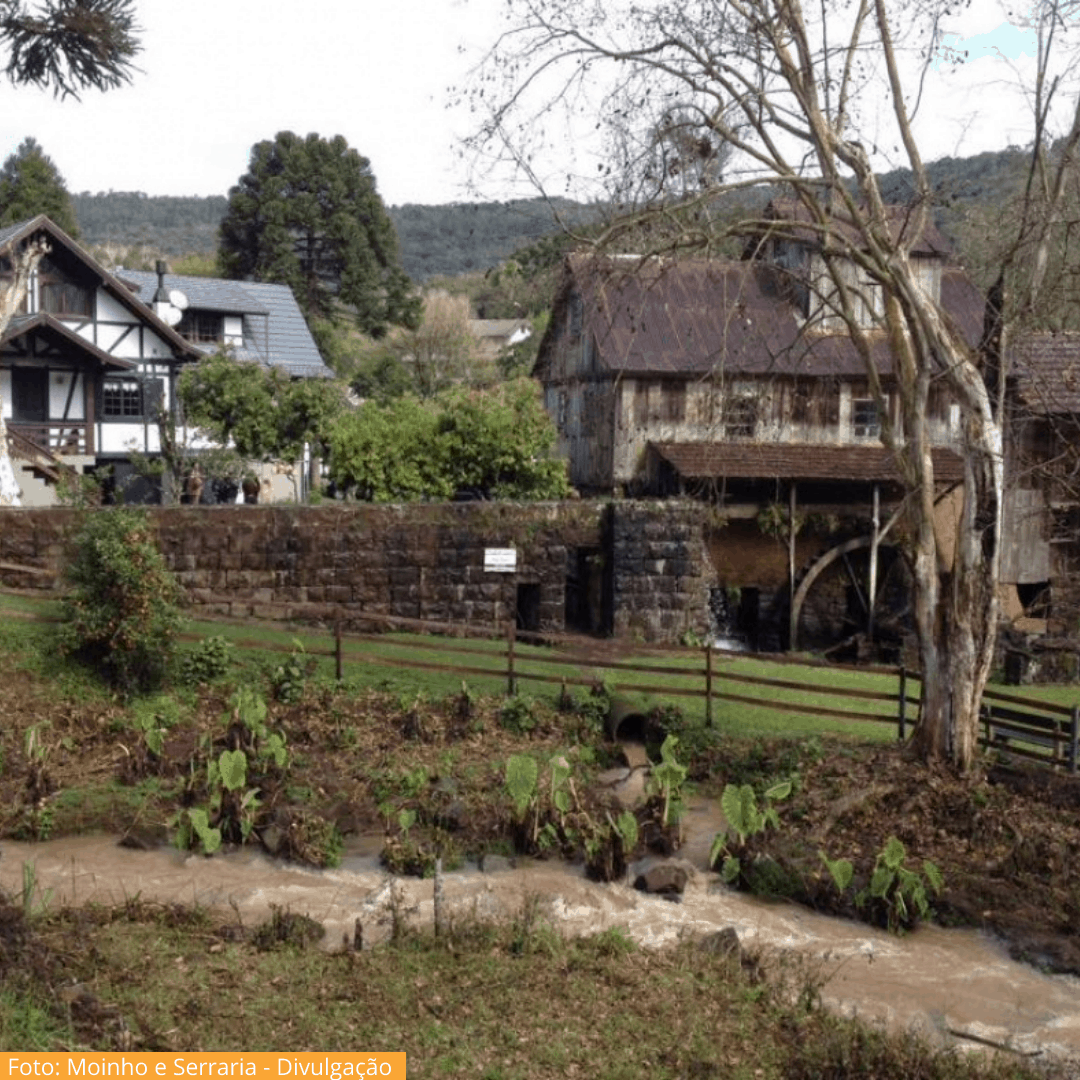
631,723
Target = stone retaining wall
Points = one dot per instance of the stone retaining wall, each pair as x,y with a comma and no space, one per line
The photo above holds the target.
417,561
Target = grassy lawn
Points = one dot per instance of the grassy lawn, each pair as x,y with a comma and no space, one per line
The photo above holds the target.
409,664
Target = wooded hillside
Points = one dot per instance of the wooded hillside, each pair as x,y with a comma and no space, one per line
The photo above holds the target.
457,238
435,240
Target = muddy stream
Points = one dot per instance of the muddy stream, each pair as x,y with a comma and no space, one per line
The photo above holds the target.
957,986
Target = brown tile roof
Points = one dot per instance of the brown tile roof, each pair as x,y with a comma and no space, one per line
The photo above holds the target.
1046,368
807,461
694,317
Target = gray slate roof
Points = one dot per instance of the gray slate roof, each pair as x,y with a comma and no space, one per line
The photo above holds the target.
8,231
275,332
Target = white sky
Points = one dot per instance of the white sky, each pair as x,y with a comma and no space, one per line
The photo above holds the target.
221,75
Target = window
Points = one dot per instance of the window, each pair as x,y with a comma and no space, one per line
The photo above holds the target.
129,399
864,418
577,312
202,326
674,400
121,398
66,298
641,402
59,294
870,305
741,420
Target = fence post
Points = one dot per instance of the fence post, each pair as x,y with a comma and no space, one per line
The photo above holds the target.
337,644
511,682
902,715
1074,743
708,684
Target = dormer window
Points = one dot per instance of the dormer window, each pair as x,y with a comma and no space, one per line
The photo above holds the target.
202,327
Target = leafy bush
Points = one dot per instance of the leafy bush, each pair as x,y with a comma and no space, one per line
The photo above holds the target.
595,707
745,819
208,660
122,612
153,717
518,715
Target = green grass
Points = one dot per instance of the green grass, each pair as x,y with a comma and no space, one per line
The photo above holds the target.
511,1000
393,662
27,1023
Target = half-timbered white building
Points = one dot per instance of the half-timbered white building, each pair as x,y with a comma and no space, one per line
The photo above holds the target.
92,357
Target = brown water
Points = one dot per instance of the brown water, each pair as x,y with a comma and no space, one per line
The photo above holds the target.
956,985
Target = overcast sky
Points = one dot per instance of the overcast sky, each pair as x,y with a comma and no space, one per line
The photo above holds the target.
220,75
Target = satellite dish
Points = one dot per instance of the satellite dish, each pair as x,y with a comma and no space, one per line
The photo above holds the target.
178,300
171,313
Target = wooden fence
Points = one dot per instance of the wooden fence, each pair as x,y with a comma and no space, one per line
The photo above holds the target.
1038,731
1008,719
1049,734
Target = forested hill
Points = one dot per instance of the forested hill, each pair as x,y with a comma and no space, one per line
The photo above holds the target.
435,240
171,224
458,237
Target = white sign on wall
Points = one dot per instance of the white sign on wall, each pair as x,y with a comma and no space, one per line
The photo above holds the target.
500,560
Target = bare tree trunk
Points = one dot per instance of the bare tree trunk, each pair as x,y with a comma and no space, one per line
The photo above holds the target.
11,296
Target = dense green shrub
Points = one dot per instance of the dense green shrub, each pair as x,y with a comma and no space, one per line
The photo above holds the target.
121,613
207,660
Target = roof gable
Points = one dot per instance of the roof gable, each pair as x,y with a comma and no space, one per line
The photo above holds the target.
14,235
51,327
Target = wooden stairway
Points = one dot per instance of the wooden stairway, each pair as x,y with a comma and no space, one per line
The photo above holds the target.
43,461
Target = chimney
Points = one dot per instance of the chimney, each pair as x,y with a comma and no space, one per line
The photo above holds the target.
161,298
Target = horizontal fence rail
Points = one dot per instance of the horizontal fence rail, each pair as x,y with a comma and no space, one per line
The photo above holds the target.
1041,732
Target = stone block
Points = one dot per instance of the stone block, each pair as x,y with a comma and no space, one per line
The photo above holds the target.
272,612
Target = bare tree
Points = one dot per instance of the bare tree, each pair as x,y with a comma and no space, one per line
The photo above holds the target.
68,46
800,100
12,293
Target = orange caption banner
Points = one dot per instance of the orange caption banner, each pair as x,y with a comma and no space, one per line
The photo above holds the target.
263,1066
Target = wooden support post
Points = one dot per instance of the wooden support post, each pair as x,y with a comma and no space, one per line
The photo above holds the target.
1074,741
902,715
792,613
337,645
708,685
875,537
511,681
440,905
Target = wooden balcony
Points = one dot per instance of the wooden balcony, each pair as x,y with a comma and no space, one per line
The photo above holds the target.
67,439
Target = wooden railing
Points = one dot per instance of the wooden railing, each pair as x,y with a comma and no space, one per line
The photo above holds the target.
1039,731
60,439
